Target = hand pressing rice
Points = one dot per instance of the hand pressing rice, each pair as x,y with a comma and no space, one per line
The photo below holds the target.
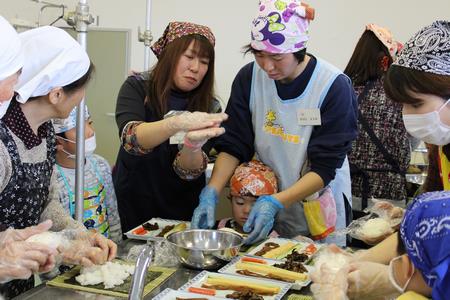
111,274
50,239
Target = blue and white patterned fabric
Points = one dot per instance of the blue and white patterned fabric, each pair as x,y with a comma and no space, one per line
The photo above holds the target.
63,125
425,231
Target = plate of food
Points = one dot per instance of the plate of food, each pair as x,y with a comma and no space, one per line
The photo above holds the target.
170,294
157,228
383,219
289,271
370,229
112,278
236,287
279,249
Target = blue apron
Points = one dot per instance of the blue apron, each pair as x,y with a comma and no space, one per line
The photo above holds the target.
282,144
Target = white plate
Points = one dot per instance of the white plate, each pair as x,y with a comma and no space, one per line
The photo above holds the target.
198,280
300,247
230,268
170,294
152,235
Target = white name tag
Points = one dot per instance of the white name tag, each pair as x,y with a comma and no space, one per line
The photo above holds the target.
177,138
310,116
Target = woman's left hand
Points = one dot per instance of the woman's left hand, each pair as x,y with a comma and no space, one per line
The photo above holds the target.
195,139
88,249
108,247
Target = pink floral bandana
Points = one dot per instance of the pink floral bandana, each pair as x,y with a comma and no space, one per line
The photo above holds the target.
385,36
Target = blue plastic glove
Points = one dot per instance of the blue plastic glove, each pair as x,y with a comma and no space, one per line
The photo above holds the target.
203,216
261,218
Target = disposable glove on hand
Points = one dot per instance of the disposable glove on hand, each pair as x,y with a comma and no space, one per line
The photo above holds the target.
368,280
329,276
329,283
16,235
204,214
188,121
261,218
19,260
195,139
87,249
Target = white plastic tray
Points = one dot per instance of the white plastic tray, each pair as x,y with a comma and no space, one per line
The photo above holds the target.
230,268
170,294
152,235
300,247
198,280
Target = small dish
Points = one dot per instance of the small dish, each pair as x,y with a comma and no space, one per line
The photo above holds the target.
301,247
139,233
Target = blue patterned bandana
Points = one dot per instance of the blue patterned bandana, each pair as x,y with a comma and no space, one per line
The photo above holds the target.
63,125
425,231
428,50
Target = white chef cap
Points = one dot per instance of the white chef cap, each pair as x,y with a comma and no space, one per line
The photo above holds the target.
11,55
52,59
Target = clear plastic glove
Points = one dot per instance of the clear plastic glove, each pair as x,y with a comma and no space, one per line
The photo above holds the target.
188,121
87,249
19,260
330,274
204,214
16,235
329,284
261,218
368,280
195,139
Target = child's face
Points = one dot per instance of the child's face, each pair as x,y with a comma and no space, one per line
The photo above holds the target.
241,207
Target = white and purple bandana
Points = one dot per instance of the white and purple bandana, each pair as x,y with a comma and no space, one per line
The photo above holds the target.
425,232
281,26
428,50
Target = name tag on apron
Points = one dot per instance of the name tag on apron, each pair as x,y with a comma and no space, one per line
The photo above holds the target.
309,116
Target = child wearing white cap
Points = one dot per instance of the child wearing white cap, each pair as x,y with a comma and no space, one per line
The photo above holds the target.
100,203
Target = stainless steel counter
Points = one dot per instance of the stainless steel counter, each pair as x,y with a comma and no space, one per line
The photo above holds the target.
44,292
175,281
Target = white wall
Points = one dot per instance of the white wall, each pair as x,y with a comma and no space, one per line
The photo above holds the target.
334,32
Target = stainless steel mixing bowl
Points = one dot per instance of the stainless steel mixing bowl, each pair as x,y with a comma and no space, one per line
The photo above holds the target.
205,249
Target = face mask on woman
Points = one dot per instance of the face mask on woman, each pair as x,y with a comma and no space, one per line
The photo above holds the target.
428,127
392,277
89,146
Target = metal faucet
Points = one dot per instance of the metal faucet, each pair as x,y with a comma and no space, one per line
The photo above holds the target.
140,272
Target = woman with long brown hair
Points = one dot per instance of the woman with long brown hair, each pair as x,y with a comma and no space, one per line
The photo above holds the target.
153,177
381,153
